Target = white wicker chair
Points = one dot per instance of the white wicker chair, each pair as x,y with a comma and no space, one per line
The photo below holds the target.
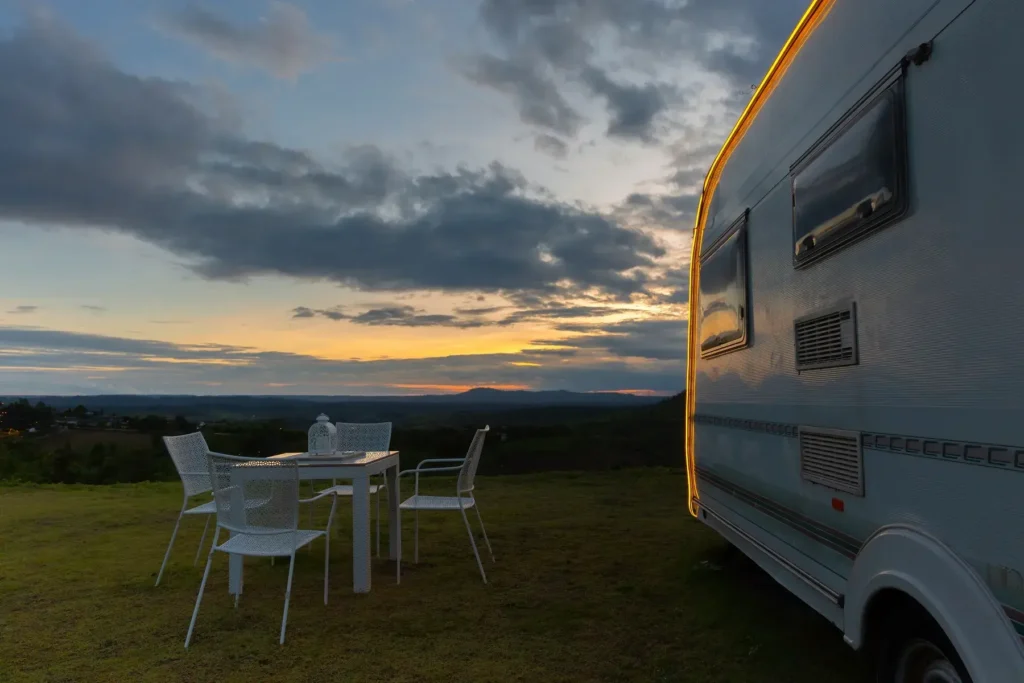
370,437
189,453
267,492
461,501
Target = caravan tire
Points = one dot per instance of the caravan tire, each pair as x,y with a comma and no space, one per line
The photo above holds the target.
915,650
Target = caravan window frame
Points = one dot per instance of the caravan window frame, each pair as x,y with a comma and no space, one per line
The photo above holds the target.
735,234
869,217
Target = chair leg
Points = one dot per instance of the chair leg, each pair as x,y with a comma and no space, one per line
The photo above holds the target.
416,537
472,541
327,547
202,587
377,496
476,506
287,597
202,540
312,491
170,545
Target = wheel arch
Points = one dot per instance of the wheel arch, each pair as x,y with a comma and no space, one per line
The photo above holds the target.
900,562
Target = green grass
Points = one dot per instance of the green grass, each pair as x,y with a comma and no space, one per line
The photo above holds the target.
599,577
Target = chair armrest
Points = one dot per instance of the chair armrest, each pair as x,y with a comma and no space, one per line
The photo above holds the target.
432,469
433,460
323,494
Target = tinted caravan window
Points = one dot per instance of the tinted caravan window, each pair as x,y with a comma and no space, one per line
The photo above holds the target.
853,181
723,293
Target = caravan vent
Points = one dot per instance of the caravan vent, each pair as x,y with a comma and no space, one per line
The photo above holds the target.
827,340
832,458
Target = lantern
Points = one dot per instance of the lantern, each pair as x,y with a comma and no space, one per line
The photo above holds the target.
323,437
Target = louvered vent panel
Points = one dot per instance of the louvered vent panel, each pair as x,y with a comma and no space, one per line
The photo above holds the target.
827,340
832,458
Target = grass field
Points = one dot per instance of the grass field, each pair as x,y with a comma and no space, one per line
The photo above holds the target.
599,577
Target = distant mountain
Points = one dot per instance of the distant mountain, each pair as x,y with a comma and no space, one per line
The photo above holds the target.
301,410
544,398
477,395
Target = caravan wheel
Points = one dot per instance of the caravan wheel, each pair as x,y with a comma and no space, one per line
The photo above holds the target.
923,662
917,651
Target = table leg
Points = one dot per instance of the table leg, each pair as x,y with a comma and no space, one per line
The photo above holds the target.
361,533
237,517
394,513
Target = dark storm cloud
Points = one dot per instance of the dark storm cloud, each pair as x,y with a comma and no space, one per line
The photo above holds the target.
85,144
283,43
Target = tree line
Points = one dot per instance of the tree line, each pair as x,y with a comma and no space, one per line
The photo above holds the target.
634,437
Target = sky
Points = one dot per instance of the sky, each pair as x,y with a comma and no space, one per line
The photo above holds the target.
363,197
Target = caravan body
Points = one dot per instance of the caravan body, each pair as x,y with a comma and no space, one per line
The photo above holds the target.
855,394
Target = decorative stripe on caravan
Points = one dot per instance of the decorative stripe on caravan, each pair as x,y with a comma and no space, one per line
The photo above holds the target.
996,456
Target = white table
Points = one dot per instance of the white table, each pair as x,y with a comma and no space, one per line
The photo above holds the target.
358,467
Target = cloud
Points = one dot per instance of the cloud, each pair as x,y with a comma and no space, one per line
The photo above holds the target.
282,43
86,145
39,361
335,313
536,96
548,48
633,108
410,316
23,310
391,316
663,340
677,280
673,211
551,145
94,309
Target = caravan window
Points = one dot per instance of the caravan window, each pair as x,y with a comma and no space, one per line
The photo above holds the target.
853,180
723,293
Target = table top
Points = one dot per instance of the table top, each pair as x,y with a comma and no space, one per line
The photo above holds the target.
338,459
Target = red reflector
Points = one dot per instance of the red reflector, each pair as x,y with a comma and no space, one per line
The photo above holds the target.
838,504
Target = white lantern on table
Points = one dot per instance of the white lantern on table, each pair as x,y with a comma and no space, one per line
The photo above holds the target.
323,437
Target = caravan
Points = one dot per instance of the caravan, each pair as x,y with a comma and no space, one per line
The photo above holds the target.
855,389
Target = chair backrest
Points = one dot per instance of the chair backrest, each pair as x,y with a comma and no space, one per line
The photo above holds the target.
255,495
364,436
189,453
467,475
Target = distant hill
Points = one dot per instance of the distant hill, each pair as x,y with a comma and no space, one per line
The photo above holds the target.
299,410
541,398
478,395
